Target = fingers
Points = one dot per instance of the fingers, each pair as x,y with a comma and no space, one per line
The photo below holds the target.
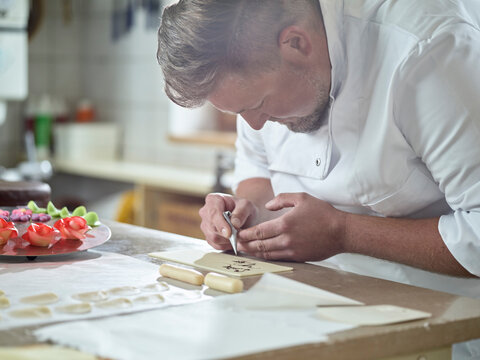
212,214
214,226
213,221
244,210
213,237
269,249
285,200
265,230
218,242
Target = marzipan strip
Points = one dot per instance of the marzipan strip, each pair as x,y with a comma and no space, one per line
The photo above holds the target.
186,275
223,283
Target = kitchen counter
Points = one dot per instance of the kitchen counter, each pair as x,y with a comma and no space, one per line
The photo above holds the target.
454,318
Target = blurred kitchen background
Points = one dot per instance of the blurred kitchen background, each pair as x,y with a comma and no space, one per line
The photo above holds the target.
82,108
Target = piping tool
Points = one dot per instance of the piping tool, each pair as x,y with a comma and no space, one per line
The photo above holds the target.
233,237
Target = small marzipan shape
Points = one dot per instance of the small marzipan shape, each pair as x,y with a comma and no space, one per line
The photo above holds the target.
79,211
81,308
4,302
92,219
160,286
36,312
40,299
52,210
92,296
64,212
223,283
32,205
124,290
149,299
119,303
178,273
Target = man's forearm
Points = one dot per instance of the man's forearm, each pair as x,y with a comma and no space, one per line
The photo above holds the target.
414,242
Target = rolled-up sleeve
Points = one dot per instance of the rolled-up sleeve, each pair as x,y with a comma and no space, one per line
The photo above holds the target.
437,108
251,159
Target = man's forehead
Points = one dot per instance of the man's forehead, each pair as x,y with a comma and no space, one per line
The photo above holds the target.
229,93
232,81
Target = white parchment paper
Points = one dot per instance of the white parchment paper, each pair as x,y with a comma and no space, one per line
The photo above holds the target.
274,291
218,328
83,272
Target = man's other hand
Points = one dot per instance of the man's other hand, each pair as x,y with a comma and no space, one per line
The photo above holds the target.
311,230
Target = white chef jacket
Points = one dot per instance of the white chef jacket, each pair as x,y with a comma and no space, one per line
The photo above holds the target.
403,133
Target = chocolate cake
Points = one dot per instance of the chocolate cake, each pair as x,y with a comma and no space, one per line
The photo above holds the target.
19,193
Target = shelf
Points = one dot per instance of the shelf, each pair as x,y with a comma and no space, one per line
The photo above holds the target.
217,138
181,180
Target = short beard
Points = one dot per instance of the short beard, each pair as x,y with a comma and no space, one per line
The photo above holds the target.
312,122
318,117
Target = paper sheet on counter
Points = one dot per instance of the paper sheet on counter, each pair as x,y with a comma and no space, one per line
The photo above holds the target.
83,272
274,291
219,328
372,315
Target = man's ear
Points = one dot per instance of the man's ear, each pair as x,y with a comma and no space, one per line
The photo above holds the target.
295,44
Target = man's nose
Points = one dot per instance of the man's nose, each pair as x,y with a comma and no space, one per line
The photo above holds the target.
256,120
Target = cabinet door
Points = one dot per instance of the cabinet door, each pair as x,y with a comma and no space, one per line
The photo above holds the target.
179,215
169,211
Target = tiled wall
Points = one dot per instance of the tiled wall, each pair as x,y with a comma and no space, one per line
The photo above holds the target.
78,59
54,53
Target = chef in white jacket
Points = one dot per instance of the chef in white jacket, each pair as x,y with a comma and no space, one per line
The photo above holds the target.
360,140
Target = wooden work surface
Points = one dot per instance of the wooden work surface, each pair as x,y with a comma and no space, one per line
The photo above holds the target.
455,319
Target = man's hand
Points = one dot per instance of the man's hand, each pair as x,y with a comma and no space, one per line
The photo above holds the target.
311,230
314,230
216,229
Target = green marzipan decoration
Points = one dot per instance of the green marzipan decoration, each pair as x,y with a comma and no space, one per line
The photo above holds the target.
79,211
34,207
92,218
52,210
64,212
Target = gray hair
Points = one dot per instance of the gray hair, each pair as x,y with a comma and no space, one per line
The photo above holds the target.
201,40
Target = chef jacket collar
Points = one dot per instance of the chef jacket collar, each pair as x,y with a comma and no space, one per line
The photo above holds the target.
332,11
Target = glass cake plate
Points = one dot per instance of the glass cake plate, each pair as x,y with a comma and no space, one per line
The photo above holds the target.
19,247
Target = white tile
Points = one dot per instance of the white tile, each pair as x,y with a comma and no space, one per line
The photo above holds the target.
66,79
137,41
65,9
97,81
94,8
143,39
140,82
96,37
41,41
39,77
66,38
52,9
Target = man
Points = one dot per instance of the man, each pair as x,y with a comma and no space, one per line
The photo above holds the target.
361,139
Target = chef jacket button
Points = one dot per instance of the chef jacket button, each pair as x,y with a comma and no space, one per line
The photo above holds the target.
318,162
